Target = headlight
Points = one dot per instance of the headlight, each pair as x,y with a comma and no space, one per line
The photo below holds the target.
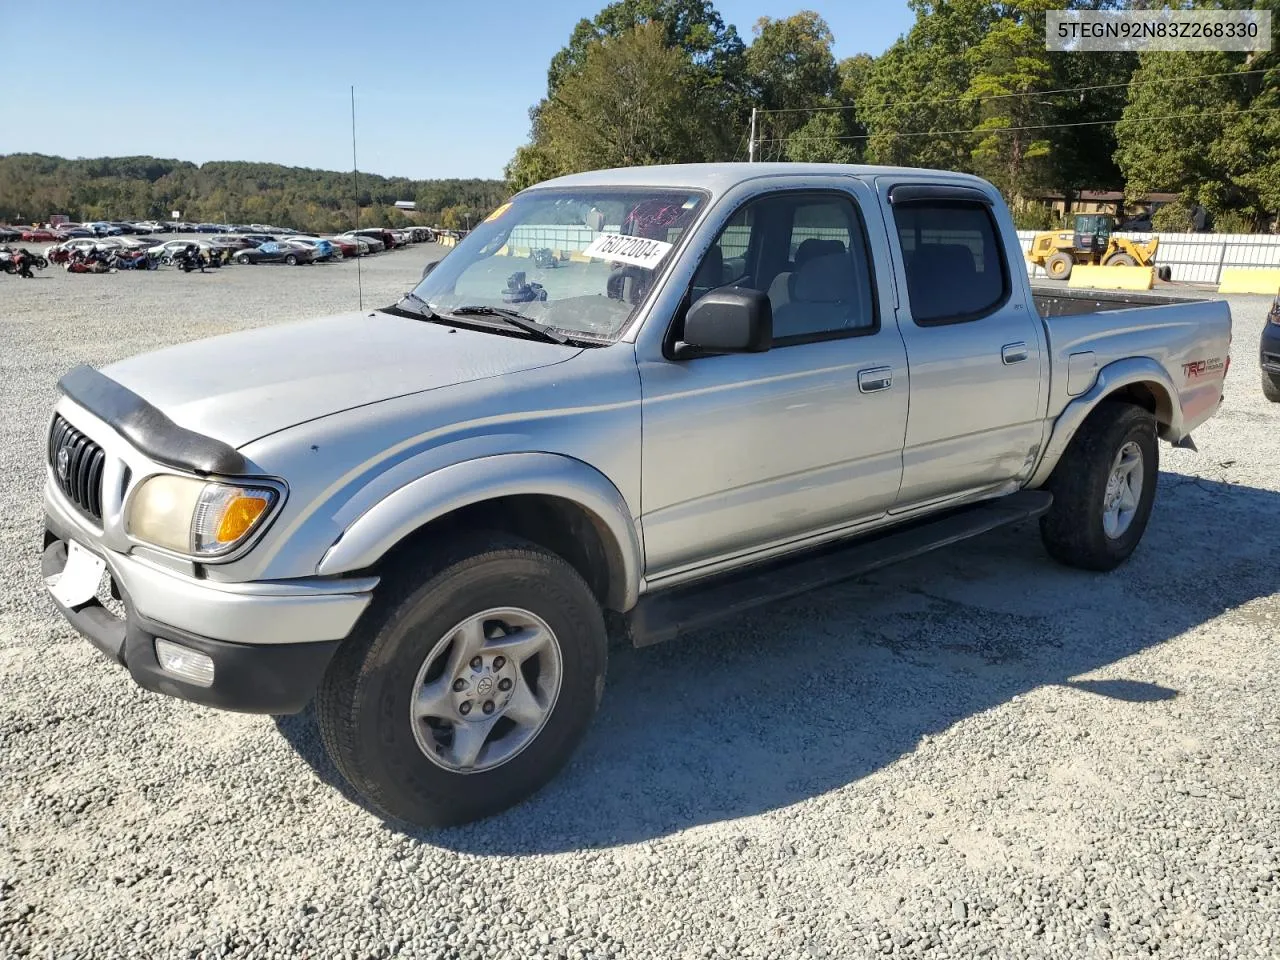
199,518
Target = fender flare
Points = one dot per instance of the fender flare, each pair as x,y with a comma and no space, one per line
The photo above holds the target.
367,539
1114,376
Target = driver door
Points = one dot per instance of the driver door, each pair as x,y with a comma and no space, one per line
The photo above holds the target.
755,452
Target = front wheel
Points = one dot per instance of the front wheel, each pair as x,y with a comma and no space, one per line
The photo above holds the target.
1103,489
464,694
1121,260
1058,266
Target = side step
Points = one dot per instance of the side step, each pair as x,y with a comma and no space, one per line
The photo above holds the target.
667,614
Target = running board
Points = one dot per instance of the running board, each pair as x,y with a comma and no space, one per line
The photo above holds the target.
667,614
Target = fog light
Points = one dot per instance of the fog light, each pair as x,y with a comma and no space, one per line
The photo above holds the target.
190,665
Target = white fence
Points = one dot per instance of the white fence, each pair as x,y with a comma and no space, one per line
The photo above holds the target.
1198,257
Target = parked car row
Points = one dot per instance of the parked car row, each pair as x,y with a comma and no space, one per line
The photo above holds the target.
243,248
118,228
292,249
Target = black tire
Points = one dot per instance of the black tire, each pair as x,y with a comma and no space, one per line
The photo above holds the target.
1120,260
1271,386
1165,273
1073,530
1058,266
363,704
291,260
243,260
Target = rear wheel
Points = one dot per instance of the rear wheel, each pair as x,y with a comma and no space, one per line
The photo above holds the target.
1103,489
1271,386
465,692
291,260
1058,266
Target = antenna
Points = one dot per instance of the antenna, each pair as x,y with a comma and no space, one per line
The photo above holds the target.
355,182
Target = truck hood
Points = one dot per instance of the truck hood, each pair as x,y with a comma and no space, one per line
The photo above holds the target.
242,386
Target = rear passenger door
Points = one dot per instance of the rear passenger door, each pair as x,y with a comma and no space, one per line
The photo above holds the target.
974,347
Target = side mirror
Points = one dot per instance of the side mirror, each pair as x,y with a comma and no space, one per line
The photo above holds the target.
429,267
729,320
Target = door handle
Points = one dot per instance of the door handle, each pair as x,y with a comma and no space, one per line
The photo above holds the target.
1014,352
874,379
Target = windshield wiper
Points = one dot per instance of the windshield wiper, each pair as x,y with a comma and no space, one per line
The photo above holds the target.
514,318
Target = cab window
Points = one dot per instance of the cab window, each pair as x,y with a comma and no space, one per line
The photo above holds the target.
808,252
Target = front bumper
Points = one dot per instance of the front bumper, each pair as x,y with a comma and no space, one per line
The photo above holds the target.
272,675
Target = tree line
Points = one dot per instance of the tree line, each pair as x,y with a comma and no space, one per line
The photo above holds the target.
969,87
34,187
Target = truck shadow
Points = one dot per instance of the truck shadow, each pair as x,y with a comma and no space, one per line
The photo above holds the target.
807,697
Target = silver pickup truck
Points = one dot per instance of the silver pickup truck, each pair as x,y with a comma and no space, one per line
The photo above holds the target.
629,402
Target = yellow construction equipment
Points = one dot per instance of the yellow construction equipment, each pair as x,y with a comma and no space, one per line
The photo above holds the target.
1092,242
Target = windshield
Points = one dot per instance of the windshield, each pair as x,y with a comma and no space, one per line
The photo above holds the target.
581,260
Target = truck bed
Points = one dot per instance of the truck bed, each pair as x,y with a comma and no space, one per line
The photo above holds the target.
1059,301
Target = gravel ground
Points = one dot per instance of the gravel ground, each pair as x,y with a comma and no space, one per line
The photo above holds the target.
978,753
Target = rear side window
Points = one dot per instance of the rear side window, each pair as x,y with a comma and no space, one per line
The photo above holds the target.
954,263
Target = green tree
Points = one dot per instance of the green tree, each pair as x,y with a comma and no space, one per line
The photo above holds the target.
1084,138
1172,125
917,90
693,26
710,55
789,69
531,164
454,218
33,185
630,102
821,140
1010,66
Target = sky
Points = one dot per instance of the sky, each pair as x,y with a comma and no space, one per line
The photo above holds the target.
443,89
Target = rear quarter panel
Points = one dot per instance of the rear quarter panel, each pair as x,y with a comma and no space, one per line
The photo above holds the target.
1190,341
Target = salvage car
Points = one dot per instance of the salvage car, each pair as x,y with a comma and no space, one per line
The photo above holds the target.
346,246
324,250
379,239
429,518
284,251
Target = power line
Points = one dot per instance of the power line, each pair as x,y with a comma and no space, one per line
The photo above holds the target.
1037,126
1029,93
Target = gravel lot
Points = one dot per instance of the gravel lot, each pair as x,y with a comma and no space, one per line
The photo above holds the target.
979,753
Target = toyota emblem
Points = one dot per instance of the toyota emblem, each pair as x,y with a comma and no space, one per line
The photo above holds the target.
64,465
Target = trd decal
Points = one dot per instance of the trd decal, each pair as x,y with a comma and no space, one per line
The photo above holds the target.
1198,368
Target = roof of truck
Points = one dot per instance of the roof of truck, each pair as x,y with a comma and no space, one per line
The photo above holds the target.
719,177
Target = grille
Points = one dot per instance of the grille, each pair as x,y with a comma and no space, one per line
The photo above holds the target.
77,464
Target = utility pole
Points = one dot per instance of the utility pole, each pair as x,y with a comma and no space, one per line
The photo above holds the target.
751,139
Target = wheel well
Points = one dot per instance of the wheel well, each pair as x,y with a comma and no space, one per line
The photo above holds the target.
554,523
1151,397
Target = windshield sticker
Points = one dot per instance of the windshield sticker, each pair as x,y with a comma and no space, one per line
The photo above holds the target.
499,212
640,251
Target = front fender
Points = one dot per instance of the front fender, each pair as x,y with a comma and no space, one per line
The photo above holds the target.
367,538
1114,376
